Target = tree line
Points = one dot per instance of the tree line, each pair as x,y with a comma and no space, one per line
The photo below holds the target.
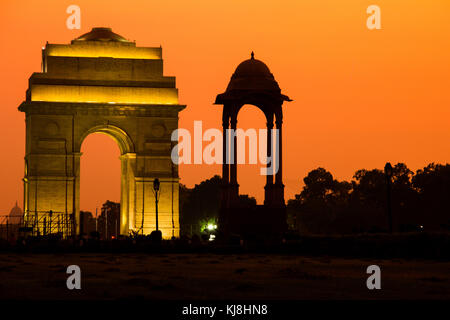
419,201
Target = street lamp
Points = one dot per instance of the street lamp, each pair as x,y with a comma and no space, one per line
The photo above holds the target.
156,184
388,171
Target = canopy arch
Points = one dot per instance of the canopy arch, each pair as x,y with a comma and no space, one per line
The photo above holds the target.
252,83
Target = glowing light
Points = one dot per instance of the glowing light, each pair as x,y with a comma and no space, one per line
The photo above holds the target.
93,49
211,227
212,237
103,94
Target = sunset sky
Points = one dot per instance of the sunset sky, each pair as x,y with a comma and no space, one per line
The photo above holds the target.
361,97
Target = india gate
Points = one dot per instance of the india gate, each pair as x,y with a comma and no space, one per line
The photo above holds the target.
101,83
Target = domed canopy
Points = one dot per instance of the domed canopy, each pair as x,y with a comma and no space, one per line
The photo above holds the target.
251,75
253,68
101,34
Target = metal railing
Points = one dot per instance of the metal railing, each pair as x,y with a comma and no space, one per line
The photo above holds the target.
9,226
49,222
37,223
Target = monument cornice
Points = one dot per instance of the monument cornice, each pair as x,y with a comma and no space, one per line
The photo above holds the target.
101,109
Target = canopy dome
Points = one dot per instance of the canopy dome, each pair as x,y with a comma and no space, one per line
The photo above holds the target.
253,74
101,34
252,68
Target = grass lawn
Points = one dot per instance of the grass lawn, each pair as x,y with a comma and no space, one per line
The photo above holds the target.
218,277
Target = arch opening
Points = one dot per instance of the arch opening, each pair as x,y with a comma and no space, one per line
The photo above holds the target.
104,185
250,119
117,134
100,185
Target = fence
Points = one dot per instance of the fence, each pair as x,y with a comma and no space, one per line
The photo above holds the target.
9,226
38,223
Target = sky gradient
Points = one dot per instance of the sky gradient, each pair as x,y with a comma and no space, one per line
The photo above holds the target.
361,97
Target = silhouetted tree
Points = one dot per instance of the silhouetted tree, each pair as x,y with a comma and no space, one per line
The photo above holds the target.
326,205
247,201
404,199
433,187
199,203
322,199
202,203
368,200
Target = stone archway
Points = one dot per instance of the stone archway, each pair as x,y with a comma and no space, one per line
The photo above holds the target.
128,162
101,83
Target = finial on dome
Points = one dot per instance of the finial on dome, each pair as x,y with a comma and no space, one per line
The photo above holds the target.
252,55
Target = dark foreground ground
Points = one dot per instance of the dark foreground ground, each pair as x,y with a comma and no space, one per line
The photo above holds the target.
209,276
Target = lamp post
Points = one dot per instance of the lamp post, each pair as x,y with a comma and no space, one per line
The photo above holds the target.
156,184
106,224
388,171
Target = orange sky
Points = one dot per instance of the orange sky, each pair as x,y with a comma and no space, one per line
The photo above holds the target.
361,97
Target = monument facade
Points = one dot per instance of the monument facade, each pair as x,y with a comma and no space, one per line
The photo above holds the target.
101,83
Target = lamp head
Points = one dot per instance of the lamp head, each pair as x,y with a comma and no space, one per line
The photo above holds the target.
388,170
156,184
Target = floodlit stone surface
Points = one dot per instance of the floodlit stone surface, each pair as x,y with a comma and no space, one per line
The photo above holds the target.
102,83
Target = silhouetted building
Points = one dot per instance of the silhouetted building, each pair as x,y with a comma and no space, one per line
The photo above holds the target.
15,215
108,223
10,224
87,223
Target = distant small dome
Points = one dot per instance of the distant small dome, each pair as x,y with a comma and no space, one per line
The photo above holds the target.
252,74
101,34
15,215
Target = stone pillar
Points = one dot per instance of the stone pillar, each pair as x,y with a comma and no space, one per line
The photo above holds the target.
269,177
278,191
76,157
234,186
225,164
279,174
127,207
